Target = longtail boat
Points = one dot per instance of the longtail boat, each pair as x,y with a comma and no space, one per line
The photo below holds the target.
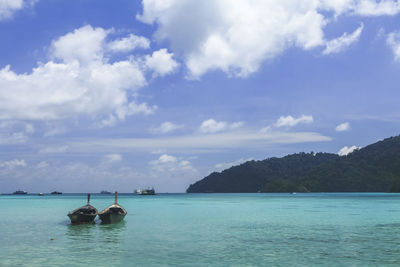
114,213
84,214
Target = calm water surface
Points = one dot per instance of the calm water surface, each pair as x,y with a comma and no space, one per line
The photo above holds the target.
205,230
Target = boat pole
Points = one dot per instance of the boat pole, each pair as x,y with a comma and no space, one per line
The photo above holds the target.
88,198
116,197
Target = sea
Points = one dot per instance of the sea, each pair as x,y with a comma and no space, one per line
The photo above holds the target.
346,229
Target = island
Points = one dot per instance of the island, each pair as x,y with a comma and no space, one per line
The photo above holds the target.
374,168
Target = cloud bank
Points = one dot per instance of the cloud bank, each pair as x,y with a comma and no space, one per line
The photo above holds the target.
81,80
238,36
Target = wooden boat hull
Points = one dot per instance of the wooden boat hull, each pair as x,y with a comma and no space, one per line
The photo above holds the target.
113,214
111,218
84,214
82,218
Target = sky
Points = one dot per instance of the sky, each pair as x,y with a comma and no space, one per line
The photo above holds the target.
118,95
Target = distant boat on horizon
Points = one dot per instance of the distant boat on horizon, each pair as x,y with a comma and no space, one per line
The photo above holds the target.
56,193
105,192
148,191
20,192
40,194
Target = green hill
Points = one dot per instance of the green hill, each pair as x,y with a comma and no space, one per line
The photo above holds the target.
375,168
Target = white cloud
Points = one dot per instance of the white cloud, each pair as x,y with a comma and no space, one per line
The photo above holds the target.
161,62
9,7
82,46
78,81
226,165
236,125
54,149
158,151
166,159
42,165
345,126
168,163
290,121
238,36
13,163
393,40
113,158
15,132
167,127
344,151
362,7
213,126
195,143
341,43
266,129
234,36
376,8
129,43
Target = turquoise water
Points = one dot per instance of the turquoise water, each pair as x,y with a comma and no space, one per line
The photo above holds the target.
205,230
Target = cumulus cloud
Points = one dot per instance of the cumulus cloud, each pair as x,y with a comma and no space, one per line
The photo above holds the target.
167,127
341,43
78,81
345,126
9,7
161,62
290,121
213,126
393,40
238,36
168,163
113,158
129,43
234,36
344,151
11,164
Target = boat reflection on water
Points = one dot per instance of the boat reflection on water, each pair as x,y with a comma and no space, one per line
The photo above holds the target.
81,233
97,238
111,234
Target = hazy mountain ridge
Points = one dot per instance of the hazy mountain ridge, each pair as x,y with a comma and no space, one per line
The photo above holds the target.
374,168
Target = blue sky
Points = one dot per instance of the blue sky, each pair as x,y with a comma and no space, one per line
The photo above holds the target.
120,95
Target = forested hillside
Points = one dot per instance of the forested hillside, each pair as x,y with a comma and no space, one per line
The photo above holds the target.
375,168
